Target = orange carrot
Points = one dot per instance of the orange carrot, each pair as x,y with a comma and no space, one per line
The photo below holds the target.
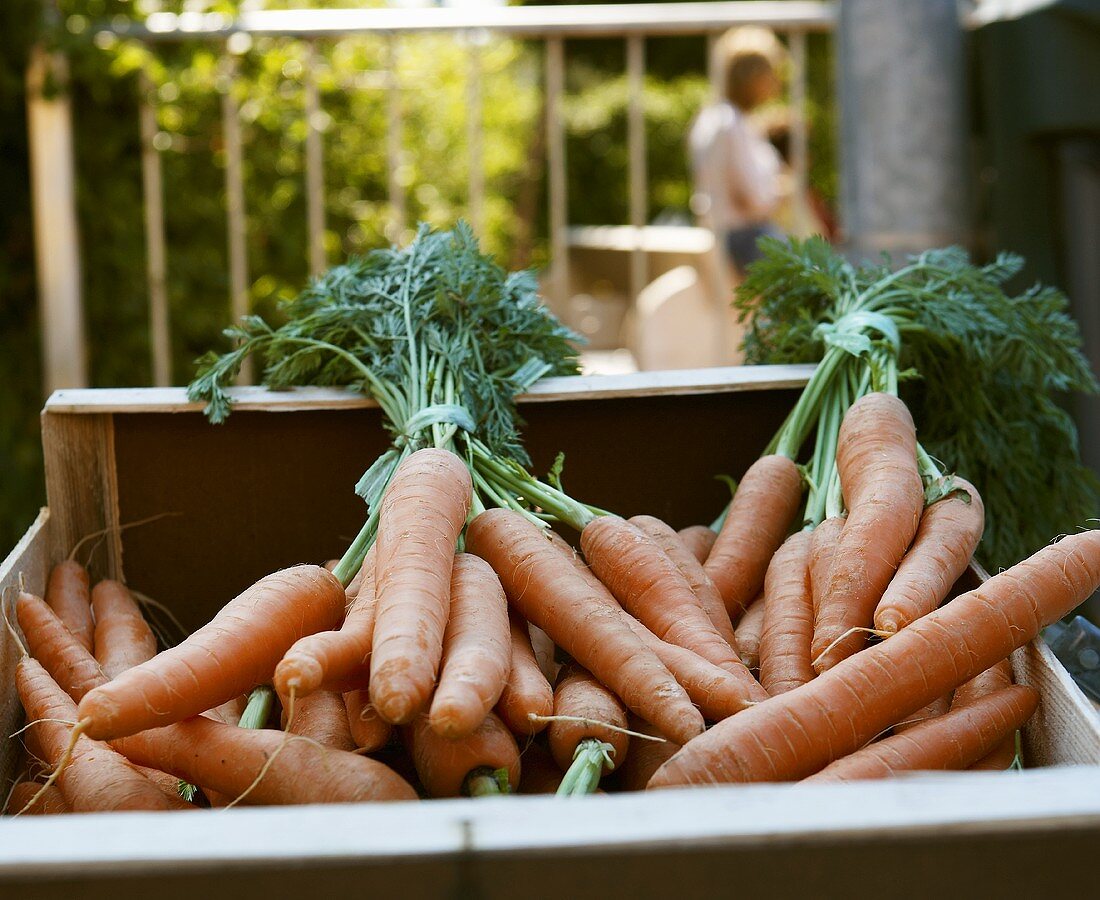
476,650
798,733
168,785
717,692
334,660
698,539
948,534
58,650
450,768
645,757
954,740
319,716
749,631
67,595
51,803
423,511
540,774
788,626
937,707
96,778
876,457
237,650
123,639
369,731
693,572
992,679
527,694
228,760
648,585
756,524
580,696
229,712
822,548
551,594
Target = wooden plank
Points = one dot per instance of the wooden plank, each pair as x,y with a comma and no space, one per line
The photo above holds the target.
1066,728
315,168
24,569
156,263
236,221
602,20
676,382
82,489
56,235
636,149
558,281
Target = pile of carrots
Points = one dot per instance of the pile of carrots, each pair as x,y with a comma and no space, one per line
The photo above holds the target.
478,653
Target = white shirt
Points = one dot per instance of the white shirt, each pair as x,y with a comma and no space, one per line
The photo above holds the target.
736,170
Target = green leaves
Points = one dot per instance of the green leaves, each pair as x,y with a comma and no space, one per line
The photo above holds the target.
983,370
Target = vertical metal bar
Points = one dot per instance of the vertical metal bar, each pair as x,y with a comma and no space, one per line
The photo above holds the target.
315,168
394,152
714,69
234,207
155,252
799,155
474,126
56,240
555,161
636,145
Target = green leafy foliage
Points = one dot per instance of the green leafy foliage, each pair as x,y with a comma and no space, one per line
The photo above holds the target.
990,369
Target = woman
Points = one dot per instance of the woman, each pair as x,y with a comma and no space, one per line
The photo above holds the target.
739,175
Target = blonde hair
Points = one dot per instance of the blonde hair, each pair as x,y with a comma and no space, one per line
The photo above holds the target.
744,54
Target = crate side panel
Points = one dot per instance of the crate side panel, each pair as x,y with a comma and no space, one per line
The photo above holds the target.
1065,729
24,569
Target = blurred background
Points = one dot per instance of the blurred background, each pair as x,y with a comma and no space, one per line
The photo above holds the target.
168,166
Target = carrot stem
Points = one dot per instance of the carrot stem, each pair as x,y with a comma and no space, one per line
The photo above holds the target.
590,759
258,708
486,782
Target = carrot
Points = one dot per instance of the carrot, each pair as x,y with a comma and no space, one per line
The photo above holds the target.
951,741
717,692
334,660
476,650
480,763
168,785
238,649
230,761
788,626
756,524
123,639
540,774
95,778
649,586
645,757
800,732
937,707
947,536
67,595
698,539
56,648
551,594
749,631
369,730
693,572
321,717
992,679
527,695
423,511
580,696
229,712
822,548
51,803
876,458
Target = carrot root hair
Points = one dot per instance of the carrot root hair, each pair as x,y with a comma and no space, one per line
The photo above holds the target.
103,532
266,767
66,756
596,723
11,628
877,632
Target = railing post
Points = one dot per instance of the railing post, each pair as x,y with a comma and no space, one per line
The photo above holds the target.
555,160
394,142
236,221
315,168
636,147
155,252
799,155
474,125
56,239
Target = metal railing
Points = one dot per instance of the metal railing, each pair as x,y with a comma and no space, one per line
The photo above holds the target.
634,23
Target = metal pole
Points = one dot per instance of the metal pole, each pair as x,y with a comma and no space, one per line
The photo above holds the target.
799,155
155,252
394,153
474,127
555,161
56,239
635,65
315,169
903,126
236,220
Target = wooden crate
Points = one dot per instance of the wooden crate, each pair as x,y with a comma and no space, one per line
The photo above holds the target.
272,487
